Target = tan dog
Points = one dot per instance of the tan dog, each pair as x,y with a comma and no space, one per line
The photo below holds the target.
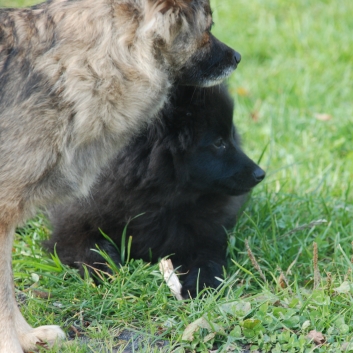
77,79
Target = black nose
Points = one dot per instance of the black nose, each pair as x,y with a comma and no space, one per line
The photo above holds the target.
259,174
237,57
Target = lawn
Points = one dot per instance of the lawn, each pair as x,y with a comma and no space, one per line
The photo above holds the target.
289,281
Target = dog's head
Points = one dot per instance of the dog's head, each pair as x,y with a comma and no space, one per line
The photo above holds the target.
181,35
208,156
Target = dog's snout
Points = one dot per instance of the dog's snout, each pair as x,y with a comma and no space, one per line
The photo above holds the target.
237,57
258,174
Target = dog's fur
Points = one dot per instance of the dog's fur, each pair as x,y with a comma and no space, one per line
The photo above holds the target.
78,79
185,178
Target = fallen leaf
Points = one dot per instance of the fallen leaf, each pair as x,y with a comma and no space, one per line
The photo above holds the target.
317,337
343,288
322,116
41,294
188,334
281,281
237,308
251,323
346,346
212,328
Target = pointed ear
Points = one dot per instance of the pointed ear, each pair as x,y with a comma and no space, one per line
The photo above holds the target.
164,6
165,17
154,7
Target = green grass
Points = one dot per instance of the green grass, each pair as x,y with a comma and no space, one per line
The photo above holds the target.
297,62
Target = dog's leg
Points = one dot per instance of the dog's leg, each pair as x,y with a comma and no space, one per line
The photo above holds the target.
14,330
29,336
9,341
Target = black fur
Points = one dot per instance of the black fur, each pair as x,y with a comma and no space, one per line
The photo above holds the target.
185,176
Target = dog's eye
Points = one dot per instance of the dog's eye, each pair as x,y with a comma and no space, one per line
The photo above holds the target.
219,143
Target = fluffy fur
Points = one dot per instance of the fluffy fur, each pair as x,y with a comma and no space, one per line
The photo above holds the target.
185,178
78,79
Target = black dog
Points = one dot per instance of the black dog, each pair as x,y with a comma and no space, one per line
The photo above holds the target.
185,176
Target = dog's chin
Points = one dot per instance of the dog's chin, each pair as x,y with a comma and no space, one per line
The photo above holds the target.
213,81
231,190
201,80
208,81
237,192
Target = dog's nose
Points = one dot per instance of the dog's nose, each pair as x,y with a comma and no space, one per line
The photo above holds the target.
259,174
237,57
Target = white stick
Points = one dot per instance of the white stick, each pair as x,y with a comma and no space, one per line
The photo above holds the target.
167,270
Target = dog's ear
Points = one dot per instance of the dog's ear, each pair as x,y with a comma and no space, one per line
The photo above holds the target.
165,18
164,6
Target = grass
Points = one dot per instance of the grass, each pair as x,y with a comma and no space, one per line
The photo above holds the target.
297,63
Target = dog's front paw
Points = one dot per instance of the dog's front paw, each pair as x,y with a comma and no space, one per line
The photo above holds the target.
42,335
200,278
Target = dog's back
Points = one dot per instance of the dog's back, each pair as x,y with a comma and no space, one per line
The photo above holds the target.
63,106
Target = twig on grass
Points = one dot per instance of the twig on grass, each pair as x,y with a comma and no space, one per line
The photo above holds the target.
316,267
305,226
254,262
98,272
